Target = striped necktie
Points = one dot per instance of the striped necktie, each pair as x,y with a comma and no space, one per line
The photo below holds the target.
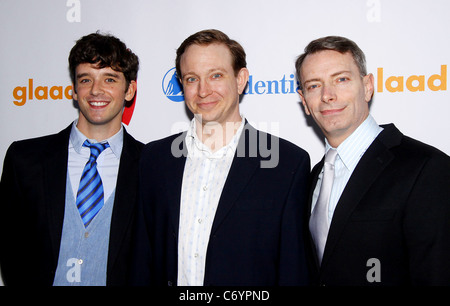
90,192
318,223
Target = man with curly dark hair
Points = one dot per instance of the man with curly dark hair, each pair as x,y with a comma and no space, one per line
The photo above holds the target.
68,199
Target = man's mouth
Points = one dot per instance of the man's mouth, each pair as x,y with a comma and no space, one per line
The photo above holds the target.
98,103
207,105
330,112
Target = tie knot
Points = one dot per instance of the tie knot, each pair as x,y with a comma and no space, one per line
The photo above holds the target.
330,157
96,148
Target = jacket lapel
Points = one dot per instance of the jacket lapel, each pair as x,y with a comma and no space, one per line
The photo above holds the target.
125,197
55,178
373,162
173,176
242,169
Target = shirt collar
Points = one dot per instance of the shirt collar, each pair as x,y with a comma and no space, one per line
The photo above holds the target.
195,146
115,142
354,146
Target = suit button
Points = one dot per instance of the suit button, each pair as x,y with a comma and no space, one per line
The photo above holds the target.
169,283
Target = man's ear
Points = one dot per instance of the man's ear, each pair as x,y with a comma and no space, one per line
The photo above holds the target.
131,91
300,92
369,86
74,93
242,79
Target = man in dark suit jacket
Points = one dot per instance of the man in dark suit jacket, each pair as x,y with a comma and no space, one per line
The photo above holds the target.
220,208
389,208
35,184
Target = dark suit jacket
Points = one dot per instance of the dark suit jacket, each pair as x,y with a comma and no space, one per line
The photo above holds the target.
256,236
395,209
32,192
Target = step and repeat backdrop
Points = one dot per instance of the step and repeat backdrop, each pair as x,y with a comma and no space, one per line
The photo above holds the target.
406,43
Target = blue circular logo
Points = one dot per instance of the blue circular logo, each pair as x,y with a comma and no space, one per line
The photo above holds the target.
171,86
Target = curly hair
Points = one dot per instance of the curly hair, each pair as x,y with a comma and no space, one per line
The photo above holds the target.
104,50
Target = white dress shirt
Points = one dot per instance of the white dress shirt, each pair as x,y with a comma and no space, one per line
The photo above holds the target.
350,152
107,162
204,176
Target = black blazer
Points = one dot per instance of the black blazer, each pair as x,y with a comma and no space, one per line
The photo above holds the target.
395,209
32,192
257,235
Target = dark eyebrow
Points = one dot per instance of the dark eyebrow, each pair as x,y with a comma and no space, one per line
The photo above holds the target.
81,75
108,74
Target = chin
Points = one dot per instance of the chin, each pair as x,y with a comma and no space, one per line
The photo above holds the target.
205,118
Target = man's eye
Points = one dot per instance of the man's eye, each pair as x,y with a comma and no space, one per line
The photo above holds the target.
216,75
84,81
110,80
191,79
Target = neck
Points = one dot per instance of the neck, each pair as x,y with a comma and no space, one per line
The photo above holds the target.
335,141
98,132
216,135
336,137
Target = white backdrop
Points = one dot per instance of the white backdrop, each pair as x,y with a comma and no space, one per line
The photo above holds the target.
406,44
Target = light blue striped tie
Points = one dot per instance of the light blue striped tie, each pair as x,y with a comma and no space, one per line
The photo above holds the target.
318,223
90,191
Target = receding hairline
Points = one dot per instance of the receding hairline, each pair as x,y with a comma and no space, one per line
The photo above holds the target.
205,45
